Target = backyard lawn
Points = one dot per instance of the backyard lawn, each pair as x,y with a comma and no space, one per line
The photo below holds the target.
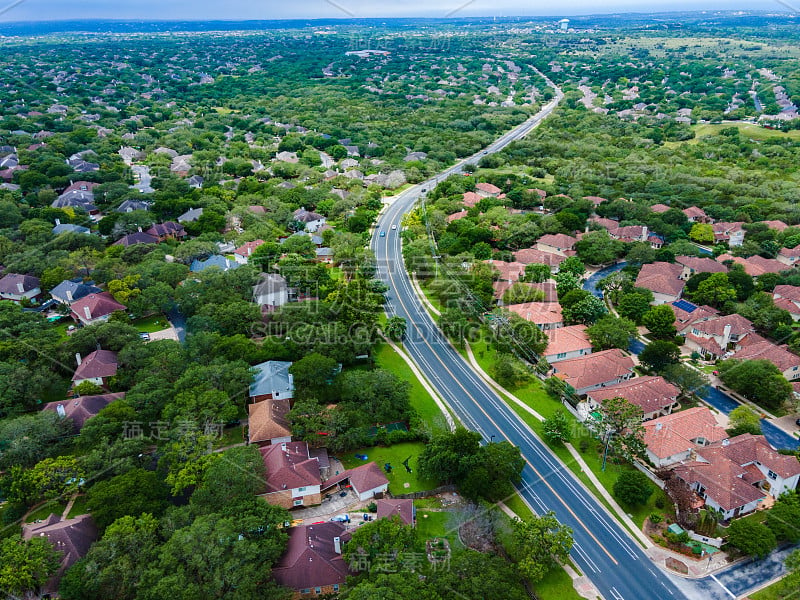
400,481
45,510
432,524
78,507
151,324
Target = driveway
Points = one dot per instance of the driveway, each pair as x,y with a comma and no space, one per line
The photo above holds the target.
335,505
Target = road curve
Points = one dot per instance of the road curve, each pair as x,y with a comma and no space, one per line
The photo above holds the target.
603,550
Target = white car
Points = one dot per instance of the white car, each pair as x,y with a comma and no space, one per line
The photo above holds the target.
394,227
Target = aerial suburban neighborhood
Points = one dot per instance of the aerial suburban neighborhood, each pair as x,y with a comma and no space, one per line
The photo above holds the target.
465,307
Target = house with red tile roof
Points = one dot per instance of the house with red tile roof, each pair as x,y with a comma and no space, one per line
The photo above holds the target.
736,474
607,224
71,538
663,279
401,507
654,395
755,265
789,306
756,347
787,297
567,342
293,475
508,271
629,233
696,215
487,189
268,423
457,216
95,308
673,438
471,199
81,409
546,315
595,200
732,233
596,370
313,564
558,243
695,264
776,225
659,208
789,256
97,367
242,254
529,256
714,337
687,313
548,288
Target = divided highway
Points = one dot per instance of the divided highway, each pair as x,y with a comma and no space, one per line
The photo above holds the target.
602,550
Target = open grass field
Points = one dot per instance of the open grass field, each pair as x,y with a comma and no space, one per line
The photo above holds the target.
400,481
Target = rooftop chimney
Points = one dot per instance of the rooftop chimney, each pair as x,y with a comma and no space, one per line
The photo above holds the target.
21,287
87,313
58,221
726,442
337,545
61,411
726,337
78,358
69,295
659,426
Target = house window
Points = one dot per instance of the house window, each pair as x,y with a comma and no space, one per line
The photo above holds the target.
771,474
305,591
562,355
317,590
298,502
302,489
335,587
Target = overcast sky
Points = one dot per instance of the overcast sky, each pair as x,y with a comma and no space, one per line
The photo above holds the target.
45,10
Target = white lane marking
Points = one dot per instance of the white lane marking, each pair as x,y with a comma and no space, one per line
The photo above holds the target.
719,583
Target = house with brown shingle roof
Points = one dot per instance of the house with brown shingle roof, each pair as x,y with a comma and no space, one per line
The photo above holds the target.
267,423
95,308
167,230
71,538
546,315
83,408
695,264
293,475
97,367
15,287
654,395
312,564
663,279
736,474
673,438
596,370
402,507
137,237
558,243
568,342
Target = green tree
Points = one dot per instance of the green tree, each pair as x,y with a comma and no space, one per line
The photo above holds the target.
495,472
659,354
540,545
597,248
784,517
130,494
31,438
566,281
751,537
702,233
573,265
25,566
757,380
556,429
660,322
396,328
384,539
715,291
585,312
620,425
236,478
536,273
633,488
743,419
611,332
448,457
313,375
519,293
634,306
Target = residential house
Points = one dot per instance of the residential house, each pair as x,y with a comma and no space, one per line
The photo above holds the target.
195,181
15,287
530,256
168,230
558,243
293,475
71,290
487,190
758,348
216,261
271,291
714,337
367,481
776,225
754,265
272,381
128,206
323,255
735,475
401,507
83,408
607,224
546,315
789,256
694,264
95,308
595,200
663,279
654,395
508,271
675,437
191,215
312,564
71,539
548,288
97,367
242,254
696,215
732,233
659,208
456,216
629,233
596,370
567,342
471,199
687,313
69,228
137,237
311,221
787,297
268,423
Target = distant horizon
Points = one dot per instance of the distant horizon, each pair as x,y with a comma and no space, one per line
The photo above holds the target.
49,11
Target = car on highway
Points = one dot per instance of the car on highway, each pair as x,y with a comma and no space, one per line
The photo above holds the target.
394,227
383,234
